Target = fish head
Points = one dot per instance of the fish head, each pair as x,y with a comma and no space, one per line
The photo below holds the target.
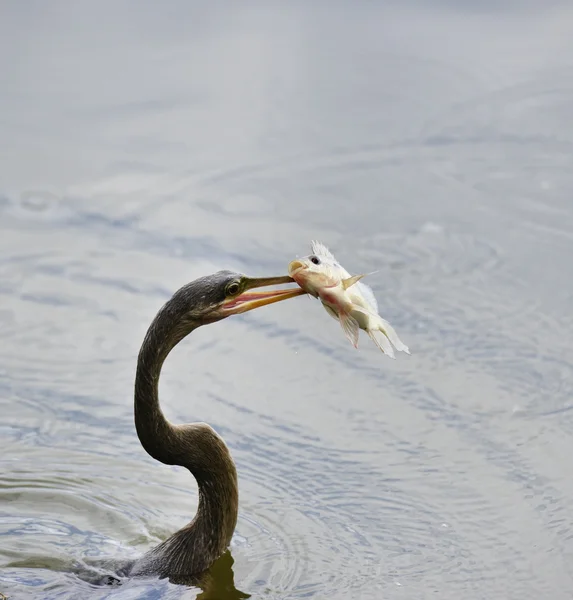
317,270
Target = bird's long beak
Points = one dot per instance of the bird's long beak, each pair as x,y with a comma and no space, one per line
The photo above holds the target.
253,299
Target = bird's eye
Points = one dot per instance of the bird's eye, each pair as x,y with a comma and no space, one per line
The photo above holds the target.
315,260
233,288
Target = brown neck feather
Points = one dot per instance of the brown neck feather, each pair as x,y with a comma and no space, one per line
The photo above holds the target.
196,446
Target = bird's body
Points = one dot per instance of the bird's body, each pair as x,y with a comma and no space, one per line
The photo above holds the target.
345,298
196,446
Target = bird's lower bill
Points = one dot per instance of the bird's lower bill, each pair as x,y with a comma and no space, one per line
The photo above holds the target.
251,299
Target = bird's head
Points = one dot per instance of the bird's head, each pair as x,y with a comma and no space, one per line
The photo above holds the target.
225,293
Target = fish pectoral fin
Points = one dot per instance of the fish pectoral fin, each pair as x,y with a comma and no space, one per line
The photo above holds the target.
350,281
382,342
350,327
346,283
331,311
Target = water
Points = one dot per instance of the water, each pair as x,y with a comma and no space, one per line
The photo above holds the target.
145,144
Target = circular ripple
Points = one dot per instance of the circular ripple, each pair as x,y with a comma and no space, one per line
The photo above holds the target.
522,113
275,552
327,513
430,254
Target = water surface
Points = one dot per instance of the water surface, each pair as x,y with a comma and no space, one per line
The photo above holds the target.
143,145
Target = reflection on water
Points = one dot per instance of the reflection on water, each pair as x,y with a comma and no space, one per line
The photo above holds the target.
146,145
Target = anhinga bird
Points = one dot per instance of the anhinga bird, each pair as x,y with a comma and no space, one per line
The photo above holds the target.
196,446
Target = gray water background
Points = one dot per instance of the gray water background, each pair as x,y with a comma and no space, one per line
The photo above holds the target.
143,144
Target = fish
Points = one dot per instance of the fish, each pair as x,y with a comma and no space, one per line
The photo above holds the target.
345,298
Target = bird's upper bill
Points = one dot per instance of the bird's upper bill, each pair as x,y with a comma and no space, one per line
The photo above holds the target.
250,299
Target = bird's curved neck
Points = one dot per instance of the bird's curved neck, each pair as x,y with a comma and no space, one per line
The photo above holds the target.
196,446
155,432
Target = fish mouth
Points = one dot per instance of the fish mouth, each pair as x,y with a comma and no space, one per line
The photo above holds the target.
295,266
249,300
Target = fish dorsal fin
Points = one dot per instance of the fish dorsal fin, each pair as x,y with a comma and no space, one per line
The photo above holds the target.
321,250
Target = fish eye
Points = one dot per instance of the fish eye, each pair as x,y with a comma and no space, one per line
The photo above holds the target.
233,288
315,260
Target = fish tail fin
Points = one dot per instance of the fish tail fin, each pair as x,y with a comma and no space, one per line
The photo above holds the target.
382,343
350,327
391,334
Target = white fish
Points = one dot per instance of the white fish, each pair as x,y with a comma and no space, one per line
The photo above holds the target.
345,298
